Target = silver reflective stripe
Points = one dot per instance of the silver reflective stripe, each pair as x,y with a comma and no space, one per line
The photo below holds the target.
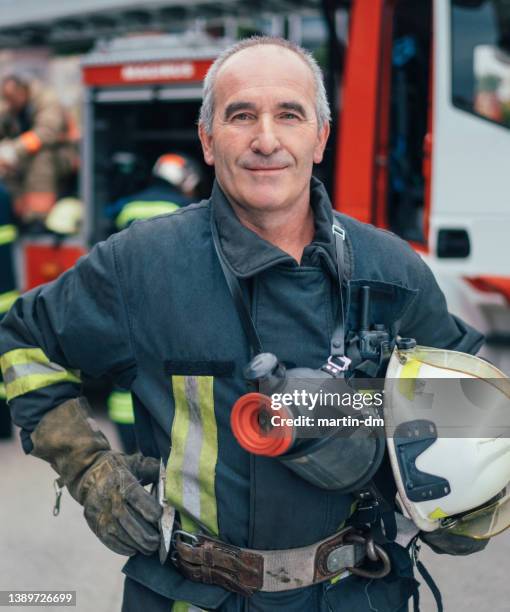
26,369
191,469
191,463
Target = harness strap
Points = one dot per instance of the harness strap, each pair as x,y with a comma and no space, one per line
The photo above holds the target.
337,347
429,581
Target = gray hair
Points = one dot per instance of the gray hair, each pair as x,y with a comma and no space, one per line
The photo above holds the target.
322,109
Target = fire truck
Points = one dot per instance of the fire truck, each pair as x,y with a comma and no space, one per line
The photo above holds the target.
420,91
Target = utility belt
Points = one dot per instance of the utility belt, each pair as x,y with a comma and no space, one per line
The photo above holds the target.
202,558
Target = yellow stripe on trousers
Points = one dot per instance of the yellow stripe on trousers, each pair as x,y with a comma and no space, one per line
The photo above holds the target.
191,469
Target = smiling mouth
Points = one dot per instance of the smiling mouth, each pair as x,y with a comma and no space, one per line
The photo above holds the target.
267,169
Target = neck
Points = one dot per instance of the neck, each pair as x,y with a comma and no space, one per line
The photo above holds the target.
290,229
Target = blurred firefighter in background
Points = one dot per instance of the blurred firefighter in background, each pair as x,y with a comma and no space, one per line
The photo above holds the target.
8,292
38,147
175,183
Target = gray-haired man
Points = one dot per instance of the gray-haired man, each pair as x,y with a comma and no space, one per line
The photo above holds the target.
151,308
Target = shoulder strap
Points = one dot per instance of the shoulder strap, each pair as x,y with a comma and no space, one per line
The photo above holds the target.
237,295
337,346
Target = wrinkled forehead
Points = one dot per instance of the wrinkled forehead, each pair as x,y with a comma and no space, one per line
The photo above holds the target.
264,67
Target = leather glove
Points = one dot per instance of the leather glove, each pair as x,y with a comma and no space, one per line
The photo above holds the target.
108,484
444,543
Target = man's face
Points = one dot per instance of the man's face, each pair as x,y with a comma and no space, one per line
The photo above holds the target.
265,137
15,96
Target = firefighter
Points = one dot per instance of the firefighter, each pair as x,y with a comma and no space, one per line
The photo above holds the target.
37,146
163,308
8,291
174,183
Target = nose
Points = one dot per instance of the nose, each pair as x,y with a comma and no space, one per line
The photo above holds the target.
265,141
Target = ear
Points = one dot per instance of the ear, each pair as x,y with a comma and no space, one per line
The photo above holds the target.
207,144
322,139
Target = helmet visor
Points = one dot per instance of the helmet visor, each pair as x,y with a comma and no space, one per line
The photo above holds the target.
485,522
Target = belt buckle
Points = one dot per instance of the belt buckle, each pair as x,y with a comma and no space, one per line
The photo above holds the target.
182,534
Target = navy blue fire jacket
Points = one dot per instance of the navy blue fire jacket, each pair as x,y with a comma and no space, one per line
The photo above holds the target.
162,323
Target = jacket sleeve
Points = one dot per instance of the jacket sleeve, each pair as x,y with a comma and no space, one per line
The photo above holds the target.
77,326
428,321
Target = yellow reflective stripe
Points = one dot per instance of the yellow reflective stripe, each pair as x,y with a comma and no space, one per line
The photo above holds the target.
184,606
174,484
120,407
22,356
208,456
37,381
143,210
8,233
26,370
191,469
7,299
3,394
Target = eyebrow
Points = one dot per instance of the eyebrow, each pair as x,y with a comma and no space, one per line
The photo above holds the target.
293,106
237,106
234,107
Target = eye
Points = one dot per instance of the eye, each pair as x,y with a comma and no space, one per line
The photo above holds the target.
289,116
242,117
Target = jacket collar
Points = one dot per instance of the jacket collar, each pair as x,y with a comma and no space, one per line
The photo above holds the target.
248,254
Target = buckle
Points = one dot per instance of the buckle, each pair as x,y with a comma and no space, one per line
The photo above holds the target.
180,535
194,540
374,552
336,365
338,230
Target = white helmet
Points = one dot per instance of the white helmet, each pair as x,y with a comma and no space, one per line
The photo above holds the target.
178,170
447,417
